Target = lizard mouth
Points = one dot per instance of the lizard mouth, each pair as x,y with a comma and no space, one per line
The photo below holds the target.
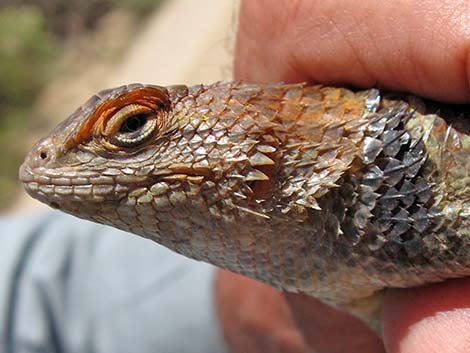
55,186
65,176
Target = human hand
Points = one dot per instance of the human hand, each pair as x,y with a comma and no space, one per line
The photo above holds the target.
257,318
414,46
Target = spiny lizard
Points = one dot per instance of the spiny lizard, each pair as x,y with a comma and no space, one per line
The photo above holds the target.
320,190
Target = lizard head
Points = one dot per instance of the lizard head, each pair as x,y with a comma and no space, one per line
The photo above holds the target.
101,152
172,164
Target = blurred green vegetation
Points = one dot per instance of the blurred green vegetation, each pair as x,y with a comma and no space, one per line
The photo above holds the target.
26,49
32,37
69,16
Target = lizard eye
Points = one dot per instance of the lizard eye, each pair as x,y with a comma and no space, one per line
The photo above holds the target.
131,125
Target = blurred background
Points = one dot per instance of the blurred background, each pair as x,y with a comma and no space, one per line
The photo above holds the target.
54,54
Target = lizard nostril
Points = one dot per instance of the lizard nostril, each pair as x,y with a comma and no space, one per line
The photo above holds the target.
43,155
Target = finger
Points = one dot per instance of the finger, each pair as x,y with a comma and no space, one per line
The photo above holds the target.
328,330
419,46
255,317
433,319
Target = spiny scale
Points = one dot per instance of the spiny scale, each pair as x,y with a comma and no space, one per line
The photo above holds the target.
321,190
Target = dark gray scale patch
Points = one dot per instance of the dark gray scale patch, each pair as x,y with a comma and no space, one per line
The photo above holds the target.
392,217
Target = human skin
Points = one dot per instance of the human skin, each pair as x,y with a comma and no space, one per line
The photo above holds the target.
414,46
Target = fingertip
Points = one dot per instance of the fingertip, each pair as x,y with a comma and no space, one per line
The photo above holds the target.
429,319
328,329
420,47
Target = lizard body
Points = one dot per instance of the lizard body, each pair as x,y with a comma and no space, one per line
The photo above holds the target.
333,193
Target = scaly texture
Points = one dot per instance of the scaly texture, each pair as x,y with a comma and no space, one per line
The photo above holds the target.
320,190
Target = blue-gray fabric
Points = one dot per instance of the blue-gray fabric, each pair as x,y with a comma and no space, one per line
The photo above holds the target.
68,285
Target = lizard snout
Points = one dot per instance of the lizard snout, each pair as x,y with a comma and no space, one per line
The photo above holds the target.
42,154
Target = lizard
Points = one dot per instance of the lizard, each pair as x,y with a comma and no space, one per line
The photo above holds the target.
335,193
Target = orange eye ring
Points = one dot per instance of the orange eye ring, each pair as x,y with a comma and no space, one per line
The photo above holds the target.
149,104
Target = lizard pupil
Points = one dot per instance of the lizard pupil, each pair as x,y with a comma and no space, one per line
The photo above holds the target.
133,123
